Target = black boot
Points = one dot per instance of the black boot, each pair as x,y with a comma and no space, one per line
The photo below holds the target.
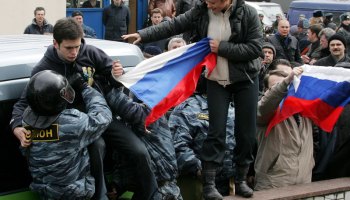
208,180
241,187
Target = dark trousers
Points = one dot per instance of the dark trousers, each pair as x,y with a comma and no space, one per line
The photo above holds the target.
245,98
97,153
128,144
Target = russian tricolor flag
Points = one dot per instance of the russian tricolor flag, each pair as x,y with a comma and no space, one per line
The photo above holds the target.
320,94
168,79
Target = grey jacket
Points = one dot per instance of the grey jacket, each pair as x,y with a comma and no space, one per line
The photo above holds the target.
244,45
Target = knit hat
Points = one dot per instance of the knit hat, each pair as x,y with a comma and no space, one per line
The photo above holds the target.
317,13
151,51
344,16
270,46
337,37
304,24
77,13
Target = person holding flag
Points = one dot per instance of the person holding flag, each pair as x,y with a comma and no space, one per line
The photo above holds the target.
236,38
285,155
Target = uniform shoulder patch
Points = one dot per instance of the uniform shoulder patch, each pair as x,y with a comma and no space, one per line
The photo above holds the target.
49,134
202,116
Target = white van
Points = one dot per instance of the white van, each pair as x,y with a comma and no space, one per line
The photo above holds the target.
269,10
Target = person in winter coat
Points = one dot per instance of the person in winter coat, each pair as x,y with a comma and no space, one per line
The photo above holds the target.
269,53
314,52
88,31
58,156
337,47
68,56
285,155
236,35
116,19
324,36
287,46
39,24
344,30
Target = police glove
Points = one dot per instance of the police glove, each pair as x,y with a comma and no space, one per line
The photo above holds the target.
77,82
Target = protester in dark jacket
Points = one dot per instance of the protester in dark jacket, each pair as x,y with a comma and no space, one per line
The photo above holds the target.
238,48
116,19
287,46
337,47
39,24
68,56
344,30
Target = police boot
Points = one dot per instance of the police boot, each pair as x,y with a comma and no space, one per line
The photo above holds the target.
241,187
208,180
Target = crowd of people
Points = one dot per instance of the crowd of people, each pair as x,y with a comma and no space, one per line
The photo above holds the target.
216,136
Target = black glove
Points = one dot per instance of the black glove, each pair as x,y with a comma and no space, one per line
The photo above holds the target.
77,82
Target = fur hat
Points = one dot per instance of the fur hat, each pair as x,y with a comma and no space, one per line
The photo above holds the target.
337,37
344,16
317,13
328,15
270,46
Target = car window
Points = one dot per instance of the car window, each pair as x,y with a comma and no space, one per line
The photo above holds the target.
271,11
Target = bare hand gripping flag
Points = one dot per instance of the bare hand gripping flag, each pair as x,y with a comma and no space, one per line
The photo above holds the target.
320,94
168,79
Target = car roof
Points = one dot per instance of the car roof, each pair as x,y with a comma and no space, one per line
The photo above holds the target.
20,53
343,5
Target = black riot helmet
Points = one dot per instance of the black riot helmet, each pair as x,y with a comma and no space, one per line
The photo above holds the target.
47,94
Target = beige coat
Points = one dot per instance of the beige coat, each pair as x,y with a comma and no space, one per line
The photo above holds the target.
285,156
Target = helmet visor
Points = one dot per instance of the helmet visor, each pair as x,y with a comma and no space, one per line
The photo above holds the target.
68,93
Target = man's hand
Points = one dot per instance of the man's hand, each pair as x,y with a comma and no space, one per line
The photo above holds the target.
21,133
305,59
117,69
135,36
214,45
295,72
77,82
